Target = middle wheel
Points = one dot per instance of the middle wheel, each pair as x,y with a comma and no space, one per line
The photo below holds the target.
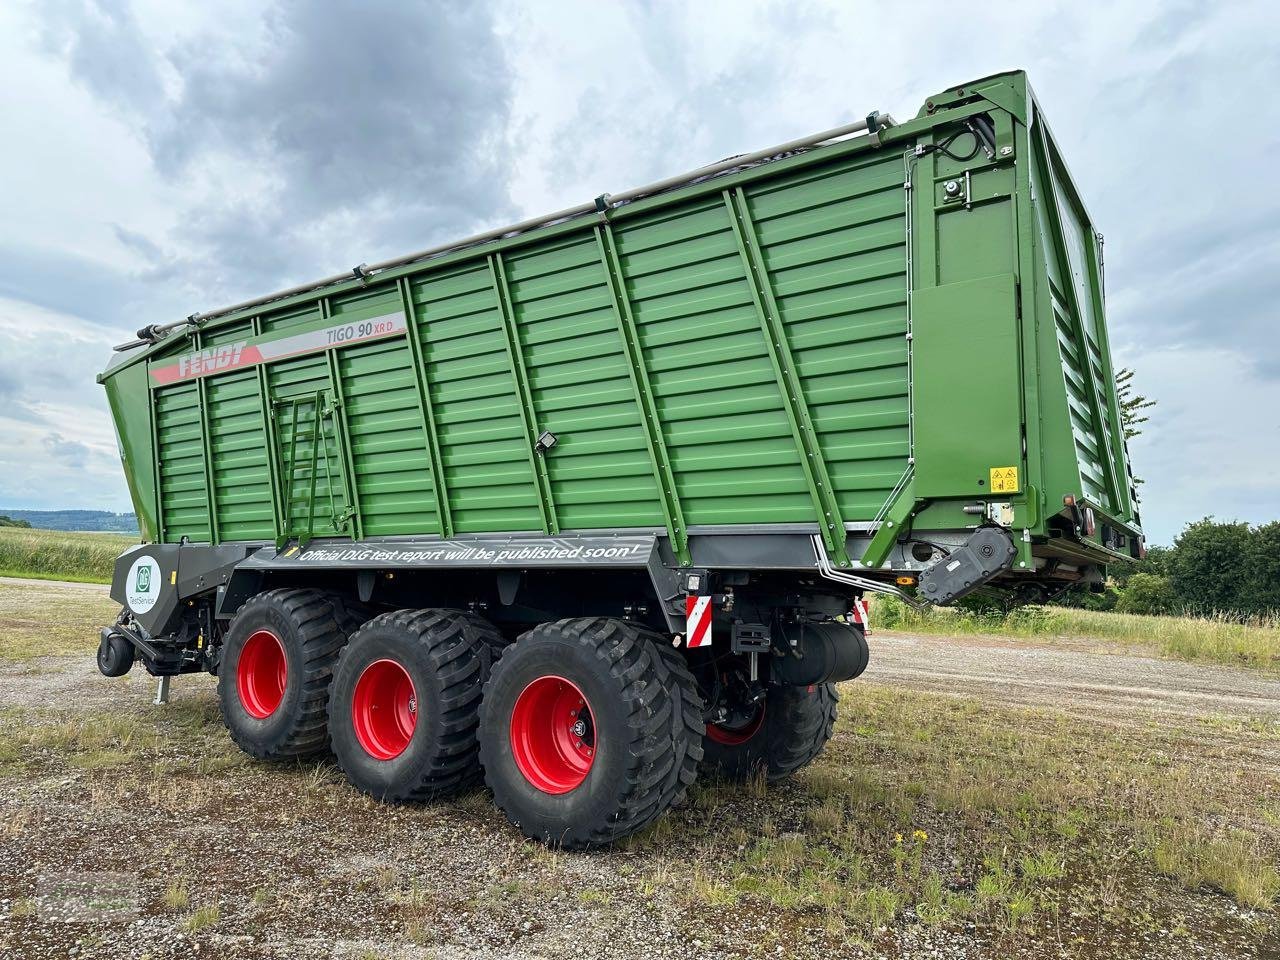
590,730
403,708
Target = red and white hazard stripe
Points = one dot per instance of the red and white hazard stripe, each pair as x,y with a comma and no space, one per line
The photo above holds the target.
860,614
697,615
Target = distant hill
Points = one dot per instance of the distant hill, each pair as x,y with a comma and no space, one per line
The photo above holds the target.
89,520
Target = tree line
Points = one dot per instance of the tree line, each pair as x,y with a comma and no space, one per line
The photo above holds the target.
1212,569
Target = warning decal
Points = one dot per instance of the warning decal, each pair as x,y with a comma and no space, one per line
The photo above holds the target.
697,613
1004,479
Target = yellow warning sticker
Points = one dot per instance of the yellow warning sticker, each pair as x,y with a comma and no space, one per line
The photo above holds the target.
1004,479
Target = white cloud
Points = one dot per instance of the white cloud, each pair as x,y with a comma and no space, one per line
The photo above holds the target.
233,150
1212,446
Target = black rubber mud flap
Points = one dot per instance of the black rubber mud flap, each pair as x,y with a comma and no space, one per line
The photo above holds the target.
988,552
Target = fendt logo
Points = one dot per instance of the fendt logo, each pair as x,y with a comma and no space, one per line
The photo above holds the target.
209,361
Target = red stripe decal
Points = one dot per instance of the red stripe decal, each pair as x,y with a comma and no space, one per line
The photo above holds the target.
697,612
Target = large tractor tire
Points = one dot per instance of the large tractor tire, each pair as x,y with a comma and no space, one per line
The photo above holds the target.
405,703
787,732
273,677
590,730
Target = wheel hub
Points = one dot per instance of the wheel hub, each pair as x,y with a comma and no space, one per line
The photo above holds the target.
262,674
553,735
384,709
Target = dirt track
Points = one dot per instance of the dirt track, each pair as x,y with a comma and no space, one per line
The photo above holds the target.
1077,677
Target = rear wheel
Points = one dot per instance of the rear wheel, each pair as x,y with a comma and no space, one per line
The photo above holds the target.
405,702
273,678
590,730
784,733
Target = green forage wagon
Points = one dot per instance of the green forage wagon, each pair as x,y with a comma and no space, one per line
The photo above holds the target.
587,504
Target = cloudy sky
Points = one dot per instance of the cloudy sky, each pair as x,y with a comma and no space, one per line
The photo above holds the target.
161,160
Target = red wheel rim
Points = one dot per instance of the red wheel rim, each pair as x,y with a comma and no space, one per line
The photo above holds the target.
736,736
553,735
262,674
384,709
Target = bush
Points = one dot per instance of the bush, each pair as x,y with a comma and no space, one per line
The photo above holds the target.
1085,599
1146,593
1209,567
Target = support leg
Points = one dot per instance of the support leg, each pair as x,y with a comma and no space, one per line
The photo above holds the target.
162,691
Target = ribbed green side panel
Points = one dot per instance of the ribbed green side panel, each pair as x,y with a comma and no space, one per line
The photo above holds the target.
600,469
288,319
834,242
241,475
184,499
482,440
303,378
1082,365
388,442
730,444
227,334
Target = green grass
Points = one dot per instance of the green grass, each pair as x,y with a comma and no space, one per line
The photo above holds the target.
59,555
958,811
202,918
1201,639
38,621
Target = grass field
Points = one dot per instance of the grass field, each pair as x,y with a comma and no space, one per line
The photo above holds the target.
59,555
930,820
32,626
1207,640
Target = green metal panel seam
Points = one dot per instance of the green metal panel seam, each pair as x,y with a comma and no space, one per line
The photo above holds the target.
317,434
524,399
341,438
153,400
1064,267
421,379
286,529
208,455
269,435
658,457
830,522
902,502
1025,225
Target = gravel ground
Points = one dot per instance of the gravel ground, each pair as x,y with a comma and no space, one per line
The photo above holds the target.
301,866
1077,677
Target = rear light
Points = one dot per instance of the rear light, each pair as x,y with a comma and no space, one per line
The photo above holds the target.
1090,524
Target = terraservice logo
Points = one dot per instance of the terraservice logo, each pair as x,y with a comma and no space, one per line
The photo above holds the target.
142,585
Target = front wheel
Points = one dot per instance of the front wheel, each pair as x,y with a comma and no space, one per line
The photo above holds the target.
784,733
273,680
590,729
